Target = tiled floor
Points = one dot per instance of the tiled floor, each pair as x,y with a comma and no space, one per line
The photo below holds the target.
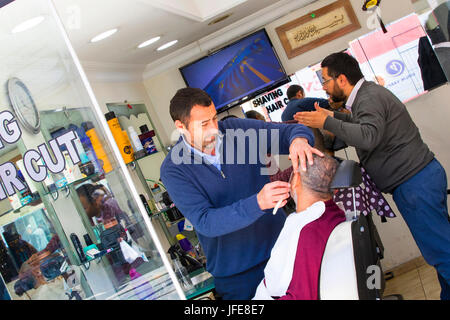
414,280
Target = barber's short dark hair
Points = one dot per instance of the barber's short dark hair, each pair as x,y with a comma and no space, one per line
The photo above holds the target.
292,91
342,63
183,102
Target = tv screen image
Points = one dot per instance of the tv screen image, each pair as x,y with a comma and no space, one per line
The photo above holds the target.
240,70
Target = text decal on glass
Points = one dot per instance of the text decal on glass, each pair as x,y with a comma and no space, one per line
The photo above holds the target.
37,162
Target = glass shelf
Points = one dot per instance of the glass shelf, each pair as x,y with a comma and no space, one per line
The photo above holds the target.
152,214
146,156
202,286
172,223
89,258
73,183
37,201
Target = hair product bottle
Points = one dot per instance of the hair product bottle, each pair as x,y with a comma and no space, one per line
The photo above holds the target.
136,143
146,139
125,149
97,146
128,147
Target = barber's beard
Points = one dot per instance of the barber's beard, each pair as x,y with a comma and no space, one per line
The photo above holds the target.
338,94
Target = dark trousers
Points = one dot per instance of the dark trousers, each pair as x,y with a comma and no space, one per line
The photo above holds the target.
241,286
422,201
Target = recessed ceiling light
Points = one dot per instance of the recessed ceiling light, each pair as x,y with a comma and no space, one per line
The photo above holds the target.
148,42
31,23
104,35
220,19
167,45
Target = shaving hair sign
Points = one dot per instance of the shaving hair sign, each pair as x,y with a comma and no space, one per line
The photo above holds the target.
272,101
37,162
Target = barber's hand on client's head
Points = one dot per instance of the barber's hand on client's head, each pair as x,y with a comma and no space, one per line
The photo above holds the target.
301,151
271,193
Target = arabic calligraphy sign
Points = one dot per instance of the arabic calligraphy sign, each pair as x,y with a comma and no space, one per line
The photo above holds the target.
317,28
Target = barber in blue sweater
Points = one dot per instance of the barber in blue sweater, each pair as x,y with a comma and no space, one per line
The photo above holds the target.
216,177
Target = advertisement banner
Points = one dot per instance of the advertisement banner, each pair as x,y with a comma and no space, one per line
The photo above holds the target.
272,103
391,59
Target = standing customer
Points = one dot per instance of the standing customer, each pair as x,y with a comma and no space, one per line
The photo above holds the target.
298,102
227,199
390,148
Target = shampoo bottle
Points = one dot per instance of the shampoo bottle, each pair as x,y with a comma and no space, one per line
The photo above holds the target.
104,162
121,141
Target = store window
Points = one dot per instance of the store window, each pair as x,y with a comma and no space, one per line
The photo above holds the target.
70,226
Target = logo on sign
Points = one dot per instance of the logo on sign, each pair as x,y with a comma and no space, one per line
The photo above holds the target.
395,68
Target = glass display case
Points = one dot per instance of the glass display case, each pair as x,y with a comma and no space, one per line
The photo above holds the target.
176,233
72,225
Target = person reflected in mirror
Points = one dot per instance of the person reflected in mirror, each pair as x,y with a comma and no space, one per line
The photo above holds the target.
101,207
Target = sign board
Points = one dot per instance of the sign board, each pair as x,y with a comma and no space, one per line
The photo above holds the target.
317,28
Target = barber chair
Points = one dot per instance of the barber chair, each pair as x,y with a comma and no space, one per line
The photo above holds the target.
351,268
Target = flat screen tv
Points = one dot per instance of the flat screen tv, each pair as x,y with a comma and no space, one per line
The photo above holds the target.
237,72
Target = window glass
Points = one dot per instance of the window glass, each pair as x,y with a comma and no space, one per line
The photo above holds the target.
70,225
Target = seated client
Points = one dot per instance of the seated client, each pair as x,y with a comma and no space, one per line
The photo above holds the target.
292,272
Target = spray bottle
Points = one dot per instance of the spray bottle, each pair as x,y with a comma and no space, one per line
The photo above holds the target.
180,270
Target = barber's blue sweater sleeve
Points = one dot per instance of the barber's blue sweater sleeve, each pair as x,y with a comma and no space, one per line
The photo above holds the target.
196,207
286,132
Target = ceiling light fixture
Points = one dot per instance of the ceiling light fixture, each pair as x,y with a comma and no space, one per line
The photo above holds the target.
104,35
220,19
31,23
148,42
167,45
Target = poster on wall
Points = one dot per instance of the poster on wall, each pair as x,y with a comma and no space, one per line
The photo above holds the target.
272,103
391,59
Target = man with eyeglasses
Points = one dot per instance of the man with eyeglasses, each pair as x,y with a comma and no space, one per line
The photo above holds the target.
390,148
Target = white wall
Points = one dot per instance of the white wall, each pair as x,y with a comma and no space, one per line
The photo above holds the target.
161,89
133,92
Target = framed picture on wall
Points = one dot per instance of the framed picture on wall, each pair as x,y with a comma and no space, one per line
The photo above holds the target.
317,28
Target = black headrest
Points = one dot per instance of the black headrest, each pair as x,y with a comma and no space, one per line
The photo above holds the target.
348,175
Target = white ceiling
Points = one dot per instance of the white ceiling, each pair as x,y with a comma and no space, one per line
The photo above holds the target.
139,20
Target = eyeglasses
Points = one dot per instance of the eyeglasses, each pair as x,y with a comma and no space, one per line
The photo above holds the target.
326,81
